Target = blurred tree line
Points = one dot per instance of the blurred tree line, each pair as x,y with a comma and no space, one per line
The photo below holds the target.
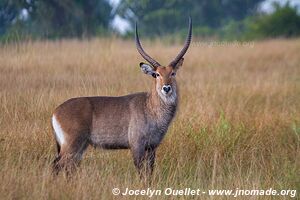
54,18
160,17
224,19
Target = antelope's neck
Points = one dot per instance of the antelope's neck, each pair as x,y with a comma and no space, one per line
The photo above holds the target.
161,107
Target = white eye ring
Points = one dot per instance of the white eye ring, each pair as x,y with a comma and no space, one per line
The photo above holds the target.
173,74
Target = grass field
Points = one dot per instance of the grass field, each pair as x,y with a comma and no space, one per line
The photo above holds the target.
238,124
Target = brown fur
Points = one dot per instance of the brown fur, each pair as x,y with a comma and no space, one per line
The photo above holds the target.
137,122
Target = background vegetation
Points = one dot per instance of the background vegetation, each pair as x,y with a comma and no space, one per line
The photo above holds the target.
238,124
218,19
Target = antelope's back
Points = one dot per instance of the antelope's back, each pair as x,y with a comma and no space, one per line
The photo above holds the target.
104,120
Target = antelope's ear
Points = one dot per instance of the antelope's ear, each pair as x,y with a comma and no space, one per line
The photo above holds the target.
147,69
179,64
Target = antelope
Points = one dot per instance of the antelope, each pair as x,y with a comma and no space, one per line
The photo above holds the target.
136,121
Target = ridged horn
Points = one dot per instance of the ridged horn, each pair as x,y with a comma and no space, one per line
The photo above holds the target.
141,50
186,45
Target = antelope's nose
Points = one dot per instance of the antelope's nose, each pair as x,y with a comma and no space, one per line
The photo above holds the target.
166,88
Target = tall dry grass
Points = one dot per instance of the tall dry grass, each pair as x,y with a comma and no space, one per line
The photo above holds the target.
238,125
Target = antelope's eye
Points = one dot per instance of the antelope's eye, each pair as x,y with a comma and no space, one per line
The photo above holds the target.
173,74
155,75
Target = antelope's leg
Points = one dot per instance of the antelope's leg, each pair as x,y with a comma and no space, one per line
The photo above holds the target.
70,155
138,154
150,160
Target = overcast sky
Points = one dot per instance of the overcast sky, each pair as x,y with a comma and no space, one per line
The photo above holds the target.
122,25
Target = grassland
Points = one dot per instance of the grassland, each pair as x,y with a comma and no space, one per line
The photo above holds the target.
238,125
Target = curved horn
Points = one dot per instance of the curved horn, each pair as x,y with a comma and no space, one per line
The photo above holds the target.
186,45
141,50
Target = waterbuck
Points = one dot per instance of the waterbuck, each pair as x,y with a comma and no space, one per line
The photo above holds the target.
136,121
